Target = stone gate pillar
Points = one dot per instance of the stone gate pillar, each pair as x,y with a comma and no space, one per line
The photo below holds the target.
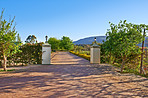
95,53
46,53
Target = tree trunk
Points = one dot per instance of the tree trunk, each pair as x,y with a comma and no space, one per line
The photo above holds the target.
141,65
110,58
123,63
113,61
4,62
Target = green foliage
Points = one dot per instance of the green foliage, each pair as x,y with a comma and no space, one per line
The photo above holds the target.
18,38
121,42
8,70
7,36
7,39
81,51
55,43
66,43
31,39
78,48
85,56
30,54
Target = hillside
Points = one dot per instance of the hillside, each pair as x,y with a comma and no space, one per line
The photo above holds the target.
99,39
89,40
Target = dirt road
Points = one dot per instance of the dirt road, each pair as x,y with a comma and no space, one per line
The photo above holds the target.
70,76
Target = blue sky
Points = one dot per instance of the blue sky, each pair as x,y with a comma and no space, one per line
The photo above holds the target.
73,18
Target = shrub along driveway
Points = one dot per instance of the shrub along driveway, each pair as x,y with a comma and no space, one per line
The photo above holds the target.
71,76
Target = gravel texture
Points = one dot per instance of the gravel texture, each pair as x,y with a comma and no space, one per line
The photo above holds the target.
70,76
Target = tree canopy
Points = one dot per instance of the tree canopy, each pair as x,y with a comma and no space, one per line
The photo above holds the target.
31,39
66,43
7,39
55,43
122,40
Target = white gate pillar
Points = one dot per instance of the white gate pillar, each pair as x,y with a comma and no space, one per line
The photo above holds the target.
95,53
46,53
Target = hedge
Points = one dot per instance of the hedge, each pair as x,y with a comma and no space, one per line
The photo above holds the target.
85,56
30,54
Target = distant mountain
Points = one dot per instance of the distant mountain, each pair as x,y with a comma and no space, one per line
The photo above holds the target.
89,40
99,39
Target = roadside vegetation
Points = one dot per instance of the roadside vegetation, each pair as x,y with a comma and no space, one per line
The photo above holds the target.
8,43
63,44
13,52
120,48
83,55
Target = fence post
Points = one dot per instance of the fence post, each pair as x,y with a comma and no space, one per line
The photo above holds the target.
95,53
46,53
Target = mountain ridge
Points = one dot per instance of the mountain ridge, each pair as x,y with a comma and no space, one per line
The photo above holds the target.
100,39
89,40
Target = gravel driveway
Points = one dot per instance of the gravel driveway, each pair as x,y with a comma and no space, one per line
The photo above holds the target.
70,76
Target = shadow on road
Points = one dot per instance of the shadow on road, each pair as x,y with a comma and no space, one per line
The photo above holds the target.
72,78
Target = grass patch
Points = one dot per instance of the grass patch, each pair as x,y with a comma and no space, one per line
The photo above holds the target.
127,70
135,72
7,70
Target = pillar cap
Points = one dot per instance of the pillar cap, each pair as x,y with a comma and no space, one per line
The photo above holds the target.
95,45
46,45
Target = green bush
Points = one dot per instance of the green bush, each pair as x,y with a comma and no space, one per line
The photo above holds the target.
30,54
85,56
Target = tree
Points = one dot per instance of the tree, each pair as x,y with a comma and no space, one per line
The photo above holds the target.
7,39
79,48
107,51
18,41
18,38
55,43
66,43
144,27
31,39
122,40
